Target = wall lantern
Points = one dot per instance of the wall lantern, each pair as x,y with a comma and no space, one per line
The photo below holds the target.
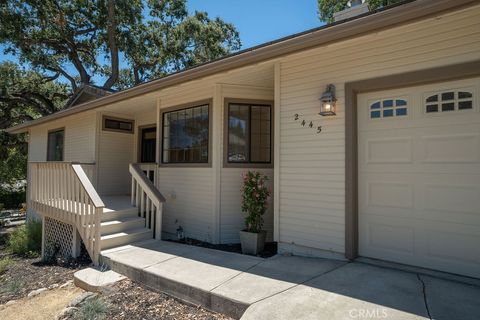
327,108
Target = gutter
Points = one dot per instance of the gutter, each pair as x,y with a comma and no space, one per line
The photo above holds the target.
369,22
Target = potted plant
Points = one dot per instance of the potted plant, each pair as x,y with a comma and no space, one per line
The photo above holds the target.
254,203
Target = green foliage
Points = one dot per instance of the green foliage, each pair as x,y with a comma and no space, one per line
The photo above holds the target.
327,8
12,287
5,263
254,200
11,198
92,309
26,239
24,95
78,39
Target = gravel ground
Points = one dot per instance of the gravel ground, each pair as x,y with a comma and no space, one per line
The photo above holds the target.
133,301
28,274
127,301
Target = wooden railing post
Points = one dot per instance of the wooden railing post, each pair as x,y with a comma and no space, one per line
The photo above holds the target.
158,221
147,198
64,191
98,219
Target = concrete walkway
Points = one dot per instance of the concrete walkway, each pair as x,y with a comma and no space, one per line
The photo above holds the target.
288,287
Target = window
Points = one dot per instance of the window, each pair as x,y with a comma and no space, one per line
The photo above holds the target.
185,135
449,101
388,108
119,125
55,145
249,133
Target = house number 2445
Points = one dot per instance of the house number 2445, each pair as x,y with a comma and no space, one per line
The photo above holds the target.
303,123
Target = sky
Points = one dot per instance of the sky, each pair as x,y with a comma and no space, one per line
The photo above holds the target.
258,21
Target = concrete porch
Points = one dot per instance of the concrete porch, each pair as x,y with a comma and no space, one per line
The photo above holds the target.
290,287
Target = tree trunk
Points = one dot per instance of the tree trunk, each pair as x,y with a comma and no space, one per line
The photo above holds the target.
112,44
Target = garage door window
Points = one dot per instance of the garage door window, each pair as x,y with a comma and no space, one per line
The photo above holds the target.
449,101
388,108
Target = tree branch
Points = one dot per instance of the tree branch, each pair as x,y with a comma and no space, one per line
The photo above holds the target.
112,44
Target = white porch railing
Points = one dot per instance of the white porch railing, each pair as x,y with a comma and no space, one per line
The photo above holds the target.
150,170
148,199
63,191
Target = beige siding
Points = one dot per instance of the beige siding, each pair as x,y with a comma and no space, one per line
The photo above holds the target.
115,153
189,194
232,217
79,138
312,178
195,196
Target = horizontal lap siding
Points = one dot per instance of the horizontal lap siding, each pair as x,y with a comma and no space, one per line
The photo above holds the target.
312,166
232,217
114,156
189,194
79,144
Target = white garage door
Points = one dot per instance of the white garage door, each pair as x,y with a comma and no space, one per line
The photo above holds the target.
419,176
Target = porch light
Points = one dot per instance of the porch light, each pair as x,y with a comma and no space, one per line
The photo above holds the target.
328,100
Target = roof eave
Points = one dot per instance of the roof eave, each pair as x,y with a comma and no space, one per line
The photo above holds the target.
367,23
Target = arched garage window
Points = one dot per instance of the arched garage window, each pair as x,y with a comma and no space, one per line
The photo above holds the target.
449,101
388,108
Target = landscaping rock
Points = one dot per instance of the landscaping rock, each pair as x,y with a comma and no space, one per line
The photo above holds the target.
36,292
94,280
9,303
53,286
65,313
66,284
78,300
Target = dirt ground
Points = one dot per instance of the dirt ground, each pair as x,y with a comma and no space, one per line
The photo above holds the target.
133,301
128,300
41,307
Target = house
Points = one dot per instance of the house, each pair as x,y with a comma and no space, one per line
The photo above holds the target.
392,174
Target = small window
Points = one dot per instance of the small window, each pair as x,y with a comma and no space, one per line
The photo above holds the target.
186,135
449,101
388,108
119,125
55,145
249,133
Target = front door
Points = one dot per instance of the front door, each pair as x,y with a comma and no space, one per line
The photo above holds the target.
148,144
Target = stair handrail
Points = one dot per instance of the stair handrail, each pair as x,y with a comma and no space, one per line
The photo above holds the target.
63,191
153,202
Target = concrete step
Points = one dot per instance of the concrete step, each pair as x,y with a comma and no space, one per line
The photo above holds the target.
119,214
119,225
125,237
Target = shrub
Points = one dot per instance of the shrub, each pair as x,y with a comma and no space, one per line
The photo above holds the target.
254,200
4,264
92,309
12,287
12,198
26,239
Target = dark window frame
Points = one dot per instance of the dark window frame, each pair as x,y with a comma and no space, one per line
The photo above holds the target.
105,128
247,164
48,144
140,130
207,102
